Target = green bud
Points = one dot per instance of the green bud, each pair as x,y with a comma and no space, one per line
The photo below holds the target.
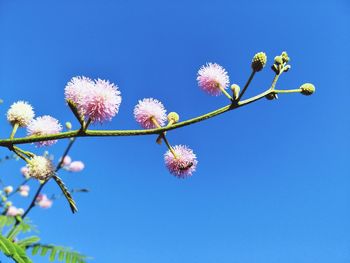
8,204
307,89
174,117
235,91
278,60
259,61
68,125
285,57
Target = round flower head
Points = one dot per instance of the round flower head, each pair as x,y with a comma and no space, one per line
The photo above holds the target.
20,112
24,190
13,211
44,125
24,171
76,166
147,109
77,89
185,162
8,189
43,201
40,168
211,77
102,102
66,160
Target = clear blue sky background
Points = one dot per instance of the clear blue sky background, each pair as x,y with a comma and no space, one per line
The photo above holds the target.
272,183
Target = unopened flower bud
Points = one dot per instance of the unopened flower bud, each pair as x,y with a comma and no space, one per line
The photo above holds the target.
259,61
307,89
8,204
271,96
8,189
278,60
68,125
173,117
235,91
285,57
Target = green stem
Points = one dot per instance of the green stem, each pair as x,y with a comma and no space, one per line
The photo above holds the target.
19,154
101,133
14,130
225,92
246,85
288,91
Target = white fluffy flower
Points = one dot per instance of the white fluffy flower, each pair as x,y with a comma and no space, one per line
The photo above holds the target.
40,168
20,112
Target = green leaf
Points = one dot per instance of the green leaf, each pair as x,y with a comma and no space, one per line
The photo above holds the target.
53,254
6,221
28,241
64,253
12,250
61,255
44,251
66,193
35,250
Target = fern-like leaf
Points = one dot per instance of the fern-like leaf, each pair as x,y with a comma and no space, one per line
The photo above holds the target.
14,251
58,253
66,193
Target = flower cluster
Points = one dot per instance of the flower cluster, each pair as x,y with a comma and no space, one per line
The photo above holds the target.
150,113
97,101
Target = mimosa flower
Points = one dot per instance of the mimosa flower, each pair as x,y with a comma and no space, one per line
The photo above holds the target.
40,168
66,160
102,102
8,189
211,77
44,125
185,162
21,113
24,190
76,166
147,109
43,201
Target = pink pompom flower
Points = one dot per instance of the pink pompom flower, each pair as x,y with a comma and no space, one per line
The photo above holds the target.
148,109
77,89
43,201
66,160
24,171
183,164
211,77
44,125
24,190
102,102
97,100
76,166
14,211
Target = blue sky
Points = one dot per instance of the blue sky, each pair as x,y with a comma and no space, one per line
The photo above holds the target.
272,184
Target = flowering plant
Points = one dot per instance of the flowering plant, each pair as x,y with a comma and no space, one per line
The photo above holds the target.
98,101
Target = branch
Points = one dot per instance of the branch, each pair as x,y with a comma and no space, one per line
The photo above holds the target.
102,133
